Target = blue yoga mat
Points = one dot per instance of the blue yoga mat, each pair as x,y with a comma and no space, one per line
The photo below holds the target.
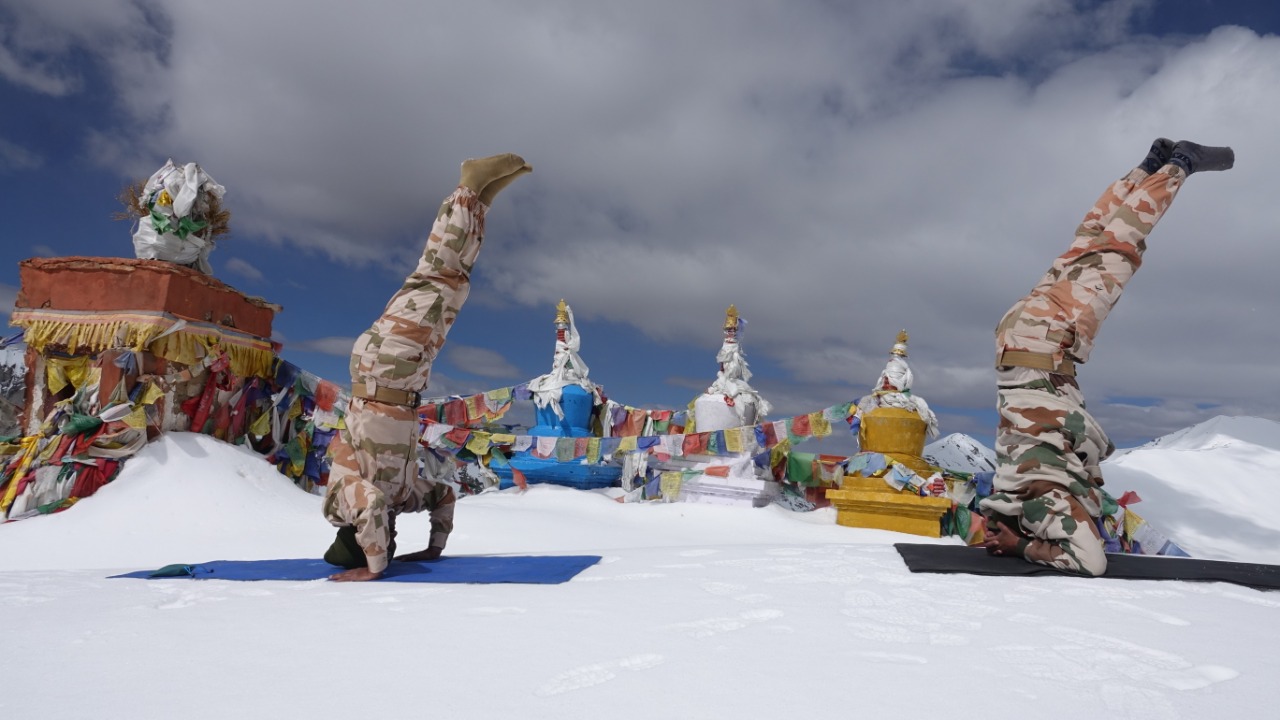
534,569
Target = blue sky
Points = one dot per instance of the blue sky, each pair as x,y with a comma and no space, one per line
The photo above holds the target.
837,171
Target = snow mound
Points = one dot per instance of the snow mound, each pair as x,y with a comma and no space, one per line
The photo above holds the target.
183,498
1210,487
188,498
1222,432
959,452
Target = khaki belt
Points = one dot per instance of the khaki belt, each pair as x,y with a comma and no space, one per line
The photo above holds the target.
407,398
1038,361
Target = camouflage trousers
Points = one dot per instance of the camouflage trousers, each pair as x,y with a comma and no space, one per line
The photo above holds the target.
374,473
1063,313
1048,454
1048,446
397,350
346,550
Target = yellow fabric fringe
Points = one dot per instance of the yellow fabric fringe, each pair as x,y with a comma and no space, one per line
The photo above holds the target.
249,356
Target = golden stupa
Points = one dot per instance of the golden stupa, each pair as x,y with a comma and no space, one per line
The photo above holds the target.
899,435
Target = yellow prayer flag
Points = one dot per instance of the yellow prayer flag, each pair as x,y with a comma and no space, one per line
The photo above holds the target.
261,425
819,425
670,484
502,439
479,443
150,394
593,450
1132,522
627,444
137,418
733,440
61,372
28,453
779,453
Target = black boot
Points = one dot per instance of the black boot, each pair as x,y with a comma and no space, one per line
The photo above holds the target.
1161,152
345,552
1195,158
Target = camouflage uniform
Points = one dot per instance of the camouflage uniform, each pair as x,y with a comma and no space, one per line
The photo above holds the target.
374,474
1048,446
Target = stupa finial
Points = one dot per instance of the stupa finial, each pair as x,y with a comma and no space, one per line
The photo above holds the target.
900,348
562,313
731,318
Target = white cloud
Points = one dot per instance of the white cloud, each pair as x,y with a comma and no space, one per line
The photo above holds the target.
16,157
37,37
244,269
340,346
43,251
8,297
838,170
481,361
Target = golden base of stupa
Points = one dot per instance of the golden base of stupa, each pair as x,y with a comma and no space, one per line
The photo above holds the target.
870,503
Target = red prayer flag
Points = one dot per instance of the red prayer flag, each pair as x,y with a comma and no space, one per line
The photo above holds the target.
326,394
1129,498
800,426
770,435
458,436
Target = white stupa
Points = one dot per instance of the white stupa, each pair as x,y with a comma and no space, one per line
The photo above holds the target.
893,389
730,402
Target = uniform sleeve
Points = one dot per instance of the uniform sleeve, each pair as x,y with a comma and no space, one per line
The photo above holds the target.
442,517
368,513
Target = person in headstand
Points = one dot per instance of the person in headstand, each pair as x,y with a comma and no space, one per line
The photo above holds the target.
1046,496
374,474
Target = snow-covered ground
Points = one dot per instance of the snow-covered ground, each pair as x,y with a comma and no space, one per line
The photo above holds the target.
696,611
1212,487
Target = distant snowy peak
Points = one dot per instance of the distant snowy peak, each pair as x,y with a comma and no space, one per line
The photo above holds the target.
961,453
13,355
1221,432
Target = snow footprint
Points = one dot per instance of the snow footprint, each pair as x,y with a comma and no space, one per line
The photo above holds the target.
183,600
1137,703
496,611
626,577
717,626
595,674
1138,610
1115,657
877,632
702,552
736,592
721,588
899,658
1252,599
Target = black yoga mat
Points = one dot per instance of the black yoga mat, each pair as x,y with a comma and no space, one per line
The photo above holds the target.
976,561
